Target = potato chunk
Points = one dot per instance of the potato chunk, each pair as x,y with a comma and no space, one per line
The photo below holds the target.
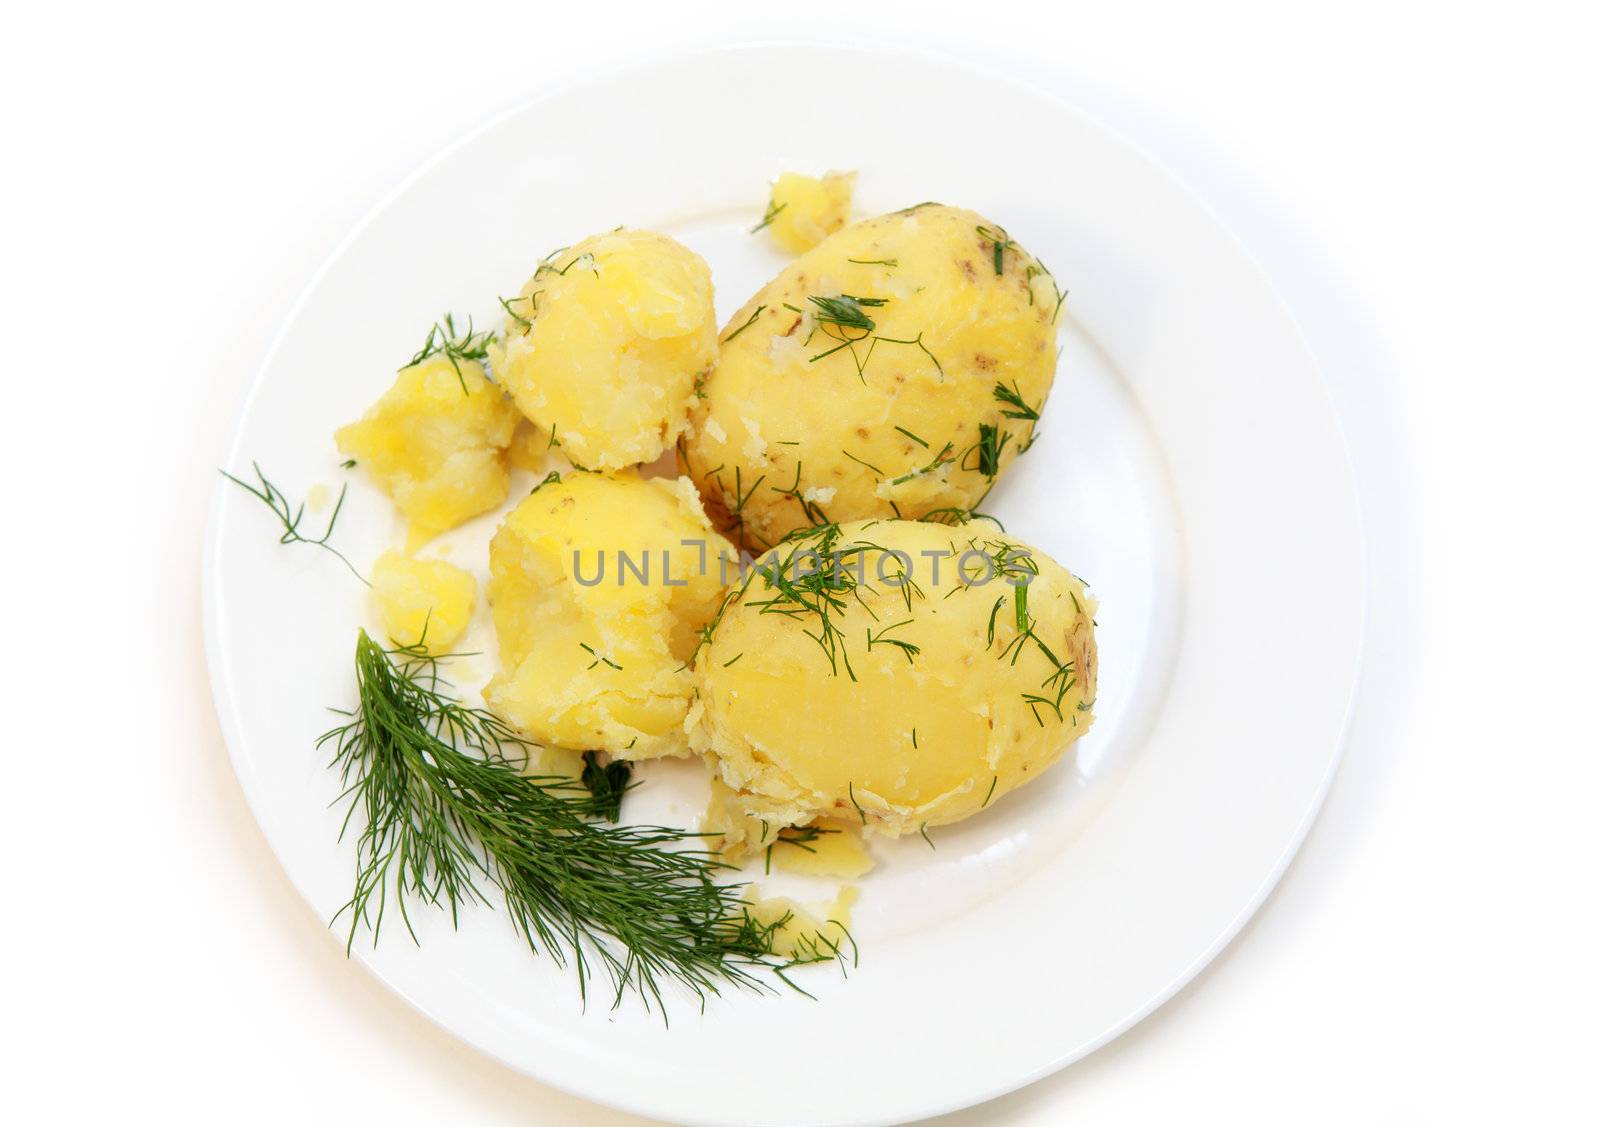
423,601
893,673
896,369
436,444
804,210
599,586
604,344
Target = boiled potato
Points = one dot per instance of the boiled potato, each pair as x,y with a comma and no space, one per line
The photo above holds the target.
895,674
436,443
804,210
604,344
599,585
796,933
896,369
422,602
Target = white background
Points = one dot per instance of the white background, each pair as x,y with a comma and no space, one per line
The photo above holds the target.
1421,181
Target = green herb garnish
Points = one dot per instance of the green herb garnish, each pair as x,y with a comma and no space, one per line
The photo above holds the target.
455,345
291,516
446,816
606,784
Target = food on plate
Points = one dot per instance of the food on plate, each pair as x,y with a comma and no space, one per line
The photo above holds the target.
426,603
803,210
594,642
826,848
447,819
900,674
436,443
795,933
894,370
603,345
891,662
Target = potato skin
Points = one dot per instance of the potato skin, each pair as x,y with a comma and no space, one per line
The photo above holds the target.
601,665
931,704
785,433
604,344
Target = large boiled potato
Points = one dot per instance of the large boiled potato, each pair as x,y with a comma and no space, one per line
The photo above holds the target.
593,648
604,344
921,678
895,369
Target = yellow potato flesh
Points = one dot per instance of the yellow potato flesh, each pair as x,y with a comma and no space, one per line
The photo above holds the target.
797,933
604,344
427,602
804,421
804,210
594,659
436,444
904,705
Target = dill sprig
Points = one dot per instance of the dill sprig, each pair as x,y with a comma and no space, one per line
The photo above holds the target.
846,310
772,212
1015,406
740,329
1002,243
290,516
606,784
446,815
456,346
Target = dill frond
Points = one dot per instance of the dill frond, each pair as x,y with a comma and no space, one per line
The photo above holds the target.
445,817
455,345
291,516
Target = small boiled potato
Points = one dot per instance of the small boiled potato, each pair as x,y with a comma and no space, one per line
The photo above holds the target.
436,443
423,602
797,933
896,369
896,674
599,585
804,210
604,344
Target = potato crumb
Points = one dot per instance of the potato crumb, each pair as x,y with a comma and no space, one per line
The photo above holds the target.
804,210
426,602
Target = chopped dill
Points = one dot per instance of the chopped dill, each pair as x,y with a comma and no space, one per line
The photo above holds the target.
348,464
909,649
1002,243
945,456
923,830
525,323
551,478
857,805
862,462
291,516
991,441
772,212
1016,406
919,441
813,512
992,784
917,340
889,262
846,311
444,338
606,784
742,327
599,659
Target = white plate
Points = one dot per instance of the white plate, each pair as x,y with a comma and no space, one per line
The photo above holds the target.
1190,467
